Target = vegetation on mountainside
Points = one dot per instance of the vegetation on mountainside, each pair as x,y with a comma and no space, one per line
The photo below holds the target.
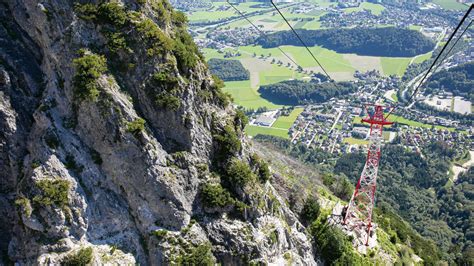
311,210
228,70
339,184
214,195
81,258
260,167
89,67
387,41
115,19
417,189
52,191
459,80
196,255
238,173
136,126
300,92
336,247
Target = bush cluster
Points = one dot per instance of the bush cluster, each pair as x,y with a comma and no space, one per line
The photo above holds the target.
335,247
261,167
25,204
224,99
198,255
136,126
214,195
166,100
53,191
156,39
89,67
239,173
81,258
311,210
240,119
111,13
228,143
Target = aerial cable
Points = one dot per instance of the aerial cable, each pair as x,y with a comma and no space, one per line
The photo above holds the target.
262,33
301,40
452,47
437,57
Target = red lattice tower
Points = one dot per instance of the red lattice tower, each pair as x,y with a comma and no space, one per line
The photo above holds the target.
359,210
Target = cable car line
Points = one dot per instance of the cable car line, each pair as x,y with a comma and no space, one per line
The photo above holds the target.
437,57
301,40
452,47
262,33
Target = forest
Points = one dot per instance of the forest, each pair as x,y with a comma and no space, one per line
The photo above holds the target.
228,70
388,41
293,92
459,80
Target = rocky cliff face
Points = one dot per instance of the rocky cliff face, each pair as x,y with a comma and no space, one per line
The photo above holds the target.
116,145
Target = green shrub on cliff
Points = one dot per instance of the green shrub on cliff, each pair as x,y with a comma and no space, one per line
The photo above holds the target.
89,67
53,191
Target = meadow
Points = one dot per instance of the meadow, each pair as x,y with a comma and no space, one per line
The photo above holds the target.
255,130
286,122
375,9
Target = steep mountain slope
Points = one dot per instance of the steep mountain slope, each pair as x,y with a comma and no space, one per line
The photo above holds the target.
303,182
116,145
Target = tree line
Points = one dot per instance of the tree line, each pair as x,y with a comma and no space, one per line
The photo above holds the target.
389,41
300,92
228,70
459,80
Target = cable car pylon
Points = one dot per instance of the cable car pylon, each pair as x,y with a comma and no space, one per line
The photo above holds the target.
358,213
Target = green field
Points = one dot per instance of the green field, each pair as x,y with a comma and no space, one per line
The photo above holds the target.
375,9
395,65
450,4
422,58
395,97
247,97
331,60
255,130
287,121
354,141
415,27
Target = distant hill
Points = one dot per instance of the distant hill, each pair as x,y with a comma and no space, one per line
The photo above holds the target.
390,41
228,70
459,80
299,92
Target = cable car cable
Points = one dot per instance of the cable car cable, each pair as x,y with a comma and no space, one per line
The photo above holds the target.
436,59
262,33
301,40
452,47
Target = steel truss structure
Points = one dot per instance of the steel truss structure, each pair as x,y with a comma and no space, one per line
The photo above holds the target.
359,210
